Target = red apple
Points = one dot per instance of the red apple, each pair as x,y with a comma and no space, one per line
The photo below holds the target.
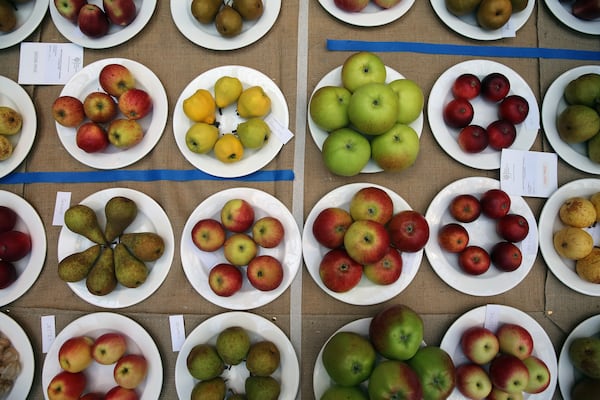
14,245
539,375
453,237
135,103
366,241
68,111
409,231
514,109
116,79
351,5
466,86
338,271
387,270
501,134
69,8
66,386
208,234
91,137
497,394
265,272
268,232
474,260
92,396
109,347
92,21
237,215
239,249
99,107
515,340
8,219
330,226
124,133
495,203
512,227
8,274
508,373
458,113
120,393
130,370
479,344
393,379
494,87
75,354
465,208
372,203
506,256
225,279
120,12
473,381
473,139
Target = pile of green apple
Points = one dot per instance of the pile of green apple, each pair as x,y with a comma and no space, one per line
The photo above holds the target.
240,236
367,117
106,353
390,362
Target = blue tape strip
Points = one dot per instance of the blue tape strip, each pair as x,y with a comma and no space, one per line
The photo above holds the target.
463,50
138,175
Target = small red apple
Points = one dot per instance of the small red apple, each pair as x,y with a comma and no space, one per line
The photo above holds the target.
512,227
91,137
99,107
8,219
506,256
330,226
495,203
68,111
458,113
225,279
474,260
130,370
409,231
135,103
268,232
265,272
66,385
339,272
514,109
494,87
466,86
8,274
14,245
208,234
465,207
501,134
453,237
366,241
387,270
473,139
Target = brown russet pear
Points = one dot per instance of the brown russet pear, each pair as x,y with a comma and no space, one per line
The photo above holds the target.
577,123
462,7
76,266
493,14
205,11
248,9
262,388
120,212
82,219
228,21
214,388
8,18
101,279
130,271
146,246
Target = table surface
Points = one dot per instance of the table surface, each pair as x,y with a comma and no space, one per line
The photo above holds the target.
295,56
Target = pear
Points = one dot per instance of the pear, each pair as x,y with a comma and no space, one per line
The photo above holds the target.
519,5
82,219
253,133
212,389
573,243
595,199
237,396
253,102
228,22
6,148
584,90
233,344
263,358
593,149
578,123
8,18
577,211
584,353
585,389
250,10
101,279
10,121
462,7
120,212
76,266
145,246
588,267
203,362
227,90
205,11
262,388
130,271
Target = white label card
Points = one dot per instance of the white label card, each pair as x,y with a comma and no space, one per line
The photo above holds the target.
528,173
63,202
177,331
49,63
48,332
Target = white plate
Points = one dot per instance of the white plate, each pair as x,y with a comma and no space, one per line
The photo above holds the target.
116,34
29,16
21,343
29,267
549,223
197,263
371,15
14,96
366,292
206,35
258,328
562,11
485,113
85,82
334,78
482,232
150,218
253,160
542,346
100,377
567,374
467,25
554,103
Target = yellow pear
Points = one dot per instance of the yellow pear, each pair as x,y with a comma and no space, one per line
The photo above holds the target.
573,243
588,267
578,212
227,90
253,102
595,199
200,106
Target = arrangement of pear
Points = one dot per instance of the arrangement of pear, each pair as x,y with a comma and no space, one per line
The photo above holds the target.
490,14
227,16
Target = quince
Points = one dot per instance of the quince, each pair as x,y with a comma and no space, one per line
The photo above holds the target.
200,107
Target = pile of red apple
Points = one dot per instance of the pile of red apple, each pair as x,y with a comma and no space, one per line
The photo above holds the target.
78,353
367,239
95,21
494,88
512,228
500,363
240,236
14,245
109,116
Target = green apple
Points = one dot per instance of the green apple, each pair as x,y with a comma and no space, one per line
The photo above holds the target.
337,392
436,371
253,133
362,68
329,107
346,152
396,149
348,358
396,332
410,99
201,137
394,379
373,108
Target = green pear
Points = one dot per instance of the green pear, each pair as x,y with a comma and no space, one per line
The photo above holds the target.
584,90
145,246
82,219
593,148
76,266
120,212
212,389
253,133
262,388
462,7
577,123
584,353
101,279
130,271
263,358
233,344
205,11
203,362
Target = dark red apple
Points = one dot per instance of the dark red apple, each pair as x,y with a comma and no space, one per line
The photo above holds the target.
465,208
514,109
512,227
453,237
494,87
8,274
409,231
473,139
495,203
501,134
474,260
14,245
8,218
506,256
458,113
338,271
466,86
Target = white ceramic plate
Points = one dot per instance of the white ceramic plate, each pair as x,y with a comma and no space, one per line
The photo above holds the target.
485,113
467,25
116,34
549,223
371,15
150,218
100,377
492,316
258,328
253,160
21,343
554,103
29,16
85,82
366,292
206,35
334,78
197,263
29,267
567,374
482,232
562,11
14,96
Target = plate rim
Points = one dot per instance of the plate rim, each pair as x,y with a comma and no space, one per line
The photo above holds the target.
16,36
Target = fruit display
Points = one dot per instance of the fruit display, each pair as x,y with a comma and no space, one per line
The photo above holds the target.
489,14
95,20
11,122
228,17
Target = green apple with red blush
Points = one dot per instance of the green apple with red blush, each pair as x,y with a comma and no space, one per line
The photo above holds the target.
396,149
362,68
436,372
237,215
225,279
328,107
366,241
372,203
265,272
386,270
239,249
268,232
208,234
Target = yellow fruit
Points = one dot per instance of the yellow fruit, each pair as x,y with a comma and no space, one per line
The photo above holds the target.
229,148
573,243
588,268
253,102
578,212
6,148
201,137
200,107
227,90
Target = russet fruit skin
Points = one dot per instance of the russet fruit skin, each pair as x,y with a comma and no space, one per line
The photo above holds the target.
458,113
584,353
453,237
465,207
573,243
330,226
479,344
577,211
473,381
225,279
338,271
91,137
68,111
